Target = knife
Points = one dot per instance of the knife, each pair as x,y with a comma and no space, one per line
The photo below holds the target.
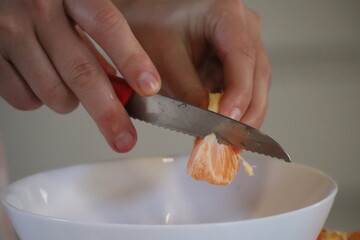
174,114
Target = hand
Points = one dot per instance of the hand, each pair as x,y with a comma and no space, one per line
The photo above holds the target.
206,44
43,60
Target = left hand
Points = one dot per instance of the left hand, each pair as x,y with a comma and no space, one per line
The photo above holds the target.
198,45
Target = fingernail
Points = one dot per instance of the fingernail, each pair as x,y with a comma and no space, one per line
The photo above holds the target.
148,83
124,141
235,114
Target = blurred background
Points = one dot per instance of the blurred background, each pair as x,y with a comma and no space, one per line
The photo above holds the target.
314,107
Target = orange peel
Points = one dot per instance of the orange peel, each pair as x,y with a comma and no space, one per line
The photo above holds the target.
338,235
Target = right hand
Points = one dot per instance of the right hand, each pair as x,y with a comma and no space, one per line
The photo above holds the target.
202,45
43,60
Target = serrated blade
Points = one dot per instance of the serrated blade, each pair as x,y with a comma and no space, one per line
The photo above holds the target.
176,115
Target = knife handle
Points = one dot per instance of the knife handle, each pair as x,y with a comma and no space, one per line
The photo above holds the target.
122,89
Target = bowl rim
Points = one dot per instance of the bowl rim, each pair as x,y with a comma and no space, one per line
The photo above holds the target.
7,205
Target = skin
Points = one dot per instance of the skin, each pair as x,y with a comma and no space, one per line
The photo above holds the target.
196,46
44,61
205,45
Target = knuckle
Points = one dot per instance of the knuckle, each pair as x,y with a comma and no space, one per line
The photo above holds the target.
59,99
41,8
256,20
11,26
254,15
81,74
268,76
107,19
52,94
247,52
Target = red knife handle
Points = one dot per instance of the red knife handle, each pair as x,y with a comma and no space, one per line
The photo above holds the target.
122,89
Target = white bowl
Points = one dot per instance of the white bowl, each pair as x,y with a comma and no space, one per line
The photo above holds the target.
154,198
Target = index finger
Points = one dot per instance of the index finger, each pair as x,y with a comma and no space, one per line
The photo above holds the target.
82,73
108,27
235,49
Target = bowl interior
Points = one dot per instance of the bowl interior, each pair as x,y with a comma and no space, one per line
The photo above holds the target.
159,191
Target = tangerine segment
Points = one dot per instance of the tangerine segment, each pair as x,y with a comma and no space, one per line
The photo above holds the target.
337,235
213,162
355,236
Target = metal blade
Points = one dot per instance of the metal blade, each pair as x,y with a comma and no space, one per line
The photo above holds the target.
176,115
